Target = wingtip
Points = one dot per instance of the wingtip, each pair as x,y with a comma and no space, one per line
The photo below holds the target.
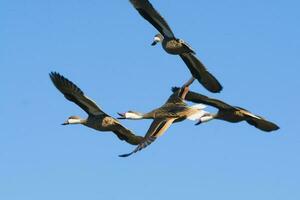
54,75
275,128
51,74
212,85
175,89
125,155
218,90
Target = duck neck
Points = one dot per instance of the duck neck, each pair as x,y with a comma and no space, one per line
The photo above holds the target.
149,115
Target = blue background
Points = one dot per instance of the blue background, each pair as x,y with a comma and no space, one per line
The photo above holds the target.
252,47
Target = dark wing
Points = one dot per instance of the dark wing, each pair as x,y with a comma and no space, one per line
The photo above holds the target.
258,121
199,98
147,11
74,94
199,72
175,98
263,124
157,128
127,135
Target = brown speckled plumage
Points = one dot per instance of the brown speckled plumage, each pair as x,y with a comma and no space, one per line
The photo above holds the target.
97,119
230,113
175,46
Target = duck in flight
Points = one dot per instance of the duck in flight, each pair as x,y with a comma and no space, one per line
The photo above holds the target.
227,112
175,46
97,119
174,110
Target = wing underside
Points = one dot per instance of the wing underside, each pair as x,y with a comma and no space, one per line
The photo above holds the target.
157,128
148,12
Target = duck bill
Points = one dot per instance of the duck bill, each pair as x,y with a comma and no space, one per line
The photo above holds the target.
65,123
122,116
154,43
198,123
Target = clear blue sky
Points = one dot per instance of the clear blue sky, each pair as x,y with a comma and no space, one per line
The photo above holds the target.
104,47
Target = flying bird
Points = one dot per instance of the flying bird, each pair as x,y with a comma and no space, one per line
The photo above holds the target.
227,112
175,46
97,119
174,110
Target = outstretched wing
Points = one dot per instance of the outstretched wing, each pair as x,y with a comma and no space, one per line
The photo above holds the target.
263,124
148,12
157,128
199,72
75,94
258,121
199,98
127,135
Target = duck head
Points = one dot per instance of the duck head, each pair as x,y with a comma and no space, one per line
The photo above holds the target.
73,120
157,39
130,115
205,118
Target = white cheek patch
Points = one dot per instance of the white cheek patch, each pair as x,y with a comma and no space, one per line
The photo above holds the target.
74,121
157,39
132,116
206,118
